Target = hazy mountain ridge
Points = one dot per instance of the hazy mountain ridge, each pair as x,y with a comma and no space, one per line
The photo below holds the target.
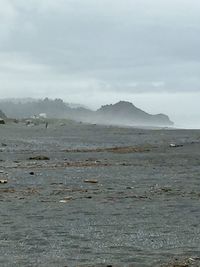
127,113
121,113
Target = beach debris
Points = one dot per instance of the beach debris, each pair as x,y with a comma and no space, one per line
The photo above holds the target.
175,145
3,181
7,190
39,158
172,145
63,201
66,199
90,181
189,262
120,150
86,163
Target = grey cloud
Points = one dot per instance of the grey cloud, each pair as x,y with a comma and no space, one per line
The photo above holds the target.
108,45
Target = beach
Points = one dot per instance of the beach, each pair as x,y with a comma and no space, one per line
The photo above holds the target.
75,194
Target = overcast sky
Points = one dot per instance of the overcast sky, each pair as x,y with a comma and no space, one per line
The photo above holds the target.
98,51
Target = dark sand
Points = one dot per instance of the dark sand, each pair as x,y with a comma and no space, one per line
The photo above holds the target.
102,196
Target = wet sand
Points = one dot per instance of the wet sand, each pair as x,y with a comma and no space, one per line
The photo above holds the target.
89,195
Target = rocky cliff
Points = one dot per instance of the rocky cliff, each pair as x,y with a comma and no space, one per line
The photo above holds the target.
126,113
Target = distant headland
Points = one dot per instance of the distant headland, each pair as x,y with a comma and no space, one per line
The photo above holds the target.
121,113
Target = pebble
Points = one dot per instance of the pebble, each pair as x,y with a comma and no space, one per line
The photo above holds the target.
66,199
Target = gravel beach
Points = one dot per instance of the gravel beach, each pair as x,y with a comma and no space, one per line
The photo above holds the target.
87,195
